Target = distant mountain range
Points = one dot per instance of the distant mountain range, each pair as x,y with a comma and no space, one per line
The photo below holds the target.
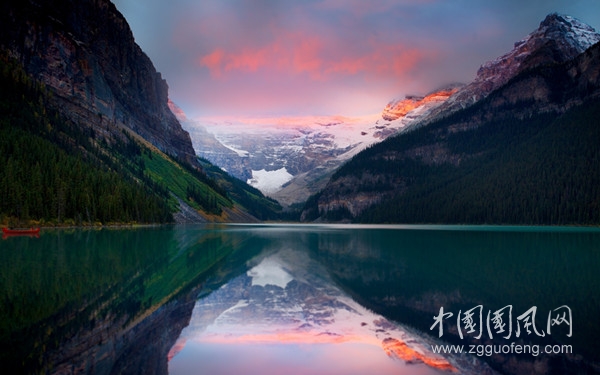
517,145
291,158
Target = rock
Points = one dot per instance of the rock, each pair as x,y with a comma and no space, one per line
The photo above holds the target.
400,108
85,54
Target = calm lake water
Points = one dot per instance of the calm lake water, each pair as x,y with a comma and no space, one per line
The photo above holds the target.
301,299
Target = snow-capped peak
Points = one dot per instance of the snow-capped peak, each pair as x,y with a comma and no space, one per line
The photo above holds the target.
580,35
566,36
559,38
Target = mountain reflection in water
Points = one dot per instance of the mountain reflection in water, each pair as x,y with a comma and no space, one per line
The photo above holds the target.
286,315
105,301
306,299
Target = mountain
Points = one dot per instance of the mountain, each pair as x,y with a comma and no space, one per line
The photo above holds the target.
87,132
289,159
558,39
85,53
523,149
401,108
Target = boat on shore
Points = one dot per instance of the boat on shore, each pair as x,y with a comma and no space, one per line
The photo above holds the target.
7,232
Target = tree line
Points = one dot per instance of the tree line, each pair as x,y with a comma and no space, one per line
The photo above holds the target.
542,170
52,171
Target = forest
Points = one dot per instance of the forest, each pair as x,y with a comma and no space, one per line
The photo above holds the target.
543,170
56,172
51,171
549,177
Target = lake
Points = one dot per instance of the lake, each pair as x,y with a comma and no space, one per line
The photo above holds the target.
301,299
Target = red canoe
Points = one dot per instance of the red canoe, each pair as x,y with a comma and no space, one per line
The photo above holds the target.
21,232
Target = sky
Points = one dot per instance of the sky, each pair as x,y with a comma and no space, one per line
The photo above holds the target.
273,58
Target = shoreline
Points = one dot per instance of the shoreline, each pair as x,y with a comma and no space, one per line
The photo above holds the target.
413,226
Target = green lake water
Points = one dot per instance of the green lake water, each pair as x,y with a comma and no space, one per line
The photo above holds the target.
306,299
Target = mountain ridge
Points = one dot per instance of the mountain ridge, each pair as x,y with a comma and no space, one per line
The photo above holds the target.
402,107
433,162
559,38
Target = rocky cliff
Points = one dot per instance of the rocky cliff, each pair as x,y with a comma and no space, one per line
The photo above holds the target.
85,53
116,346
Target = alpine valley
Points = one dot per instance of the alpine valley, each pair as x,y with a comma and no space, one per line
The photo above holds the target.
90,138
290,159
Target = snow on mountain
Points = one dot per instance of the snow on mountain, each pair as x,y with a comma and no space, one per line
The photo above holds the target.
269,182
417,104
291,158
177,111
563,35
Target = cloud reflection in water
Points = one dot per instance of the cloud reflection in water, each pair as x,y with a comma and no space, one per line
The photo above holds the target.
285,315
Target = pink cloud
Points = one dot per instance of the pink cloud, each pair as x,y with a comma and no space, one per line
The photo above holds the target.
247,60
213,61
406,59
306,56
318,57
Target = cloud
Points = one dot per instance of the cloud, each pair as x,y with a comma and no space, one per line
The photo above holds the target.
213,61
325,56
319,58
